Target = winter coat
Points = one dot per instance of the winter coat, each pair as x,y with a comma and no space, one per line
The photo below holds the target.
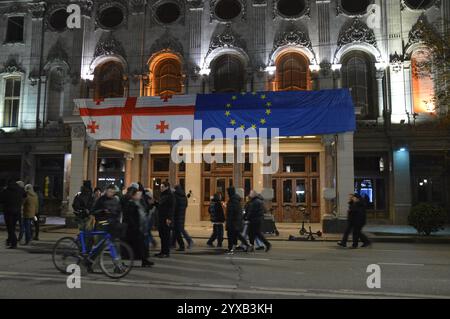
181,204
255,210
216,210
134,217
166,206
107,209
357,213
12,198
234,220
30,205
83,202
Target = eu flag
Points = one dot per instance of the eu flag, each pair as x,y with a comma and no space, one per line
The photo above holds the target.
294,113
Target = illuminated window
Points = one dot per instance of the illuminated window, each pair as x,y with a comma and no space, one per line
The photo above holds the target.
167,77
228,74
357,76
292,72
11,102
109,81
422,82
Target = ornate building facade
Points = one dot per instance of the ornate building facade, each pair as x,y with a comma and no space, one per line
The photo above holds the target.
397,157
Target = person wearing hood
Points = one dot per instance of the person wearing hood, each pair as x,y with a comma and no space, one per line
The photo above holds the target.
107,209
83,204
217,219
135,217
181,203
12,198
255,217
30,210
234,222
166,208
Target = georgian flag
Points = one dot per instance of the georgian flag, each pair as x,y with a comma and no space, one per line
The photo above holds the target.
142,118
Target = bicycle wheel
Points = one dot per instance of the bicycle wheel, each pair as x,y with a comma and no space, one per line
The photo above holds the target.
111,262
65,252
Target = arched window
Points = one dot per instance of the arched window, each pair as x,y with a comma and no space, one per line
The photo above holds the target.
228,74
292,72
109,80
422,82
357,75
167,77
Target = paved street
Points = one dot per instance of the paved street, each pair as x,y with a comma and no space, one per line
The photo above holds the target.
290,270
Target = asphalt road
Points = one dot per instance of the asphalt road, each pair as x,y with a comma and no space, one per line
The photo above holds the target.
290,270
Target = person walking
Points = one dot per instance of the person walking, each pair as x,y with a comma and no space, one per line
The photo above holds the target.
166,208
217,218
30,209
135,217
150,201
181,203
358,209
234,221
12,198
36,220
21,229
356,217
255,216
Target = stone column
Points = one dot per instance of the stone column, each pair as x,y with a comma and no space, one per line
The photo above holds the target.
77,162
194,183
28,165
345,172
92,161
145,164
402,185
330,174
128,168
380,76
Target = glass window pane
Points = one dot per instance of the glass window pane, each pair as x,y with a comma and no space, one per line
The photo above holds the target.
314,164
300,191
314,190
16,88
247,186
221,186
293,164
161,164
287,191
9,88
206,190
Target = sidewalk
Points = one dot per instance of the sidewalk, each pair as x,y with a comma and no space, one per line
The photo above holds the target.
377,233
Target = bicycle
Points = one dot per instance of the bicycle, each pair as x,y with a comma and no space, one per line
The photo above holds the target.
115,257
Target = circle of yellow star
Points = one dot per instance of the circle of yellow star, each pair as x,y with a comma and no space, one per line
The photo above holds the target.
242,126
263,96
227,113
262,121
234,97
228,104
268,111
269,104
232,122
253,126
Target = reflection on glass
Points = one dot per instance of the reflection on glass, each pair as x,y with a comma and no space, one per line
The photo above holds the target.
274,187
287,191
206,190
314,190
300,191
221,185
292,164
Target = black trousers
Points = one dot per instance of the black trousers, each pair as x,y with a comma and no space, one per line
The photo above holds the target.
164,234
233,236
359,235
255,230
217,234
347,232
36,227
11,221
178,237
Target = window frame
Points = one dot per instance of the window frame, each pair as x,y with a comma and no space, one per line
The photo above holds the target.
5,36
218,62
3,79
280,71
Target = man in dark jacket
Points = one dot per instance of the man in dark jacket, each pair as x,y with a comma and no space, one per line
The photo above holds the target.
166,208
107,209
217,219
12,199
181,203
356,219
255,216
234,223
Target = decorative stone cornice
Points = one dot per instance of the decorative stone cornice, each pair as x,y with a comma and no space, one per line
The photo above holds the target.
418,31
167,42
356,31
11,66
227,39
57,52
37,10
109,46
292,38
137,6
